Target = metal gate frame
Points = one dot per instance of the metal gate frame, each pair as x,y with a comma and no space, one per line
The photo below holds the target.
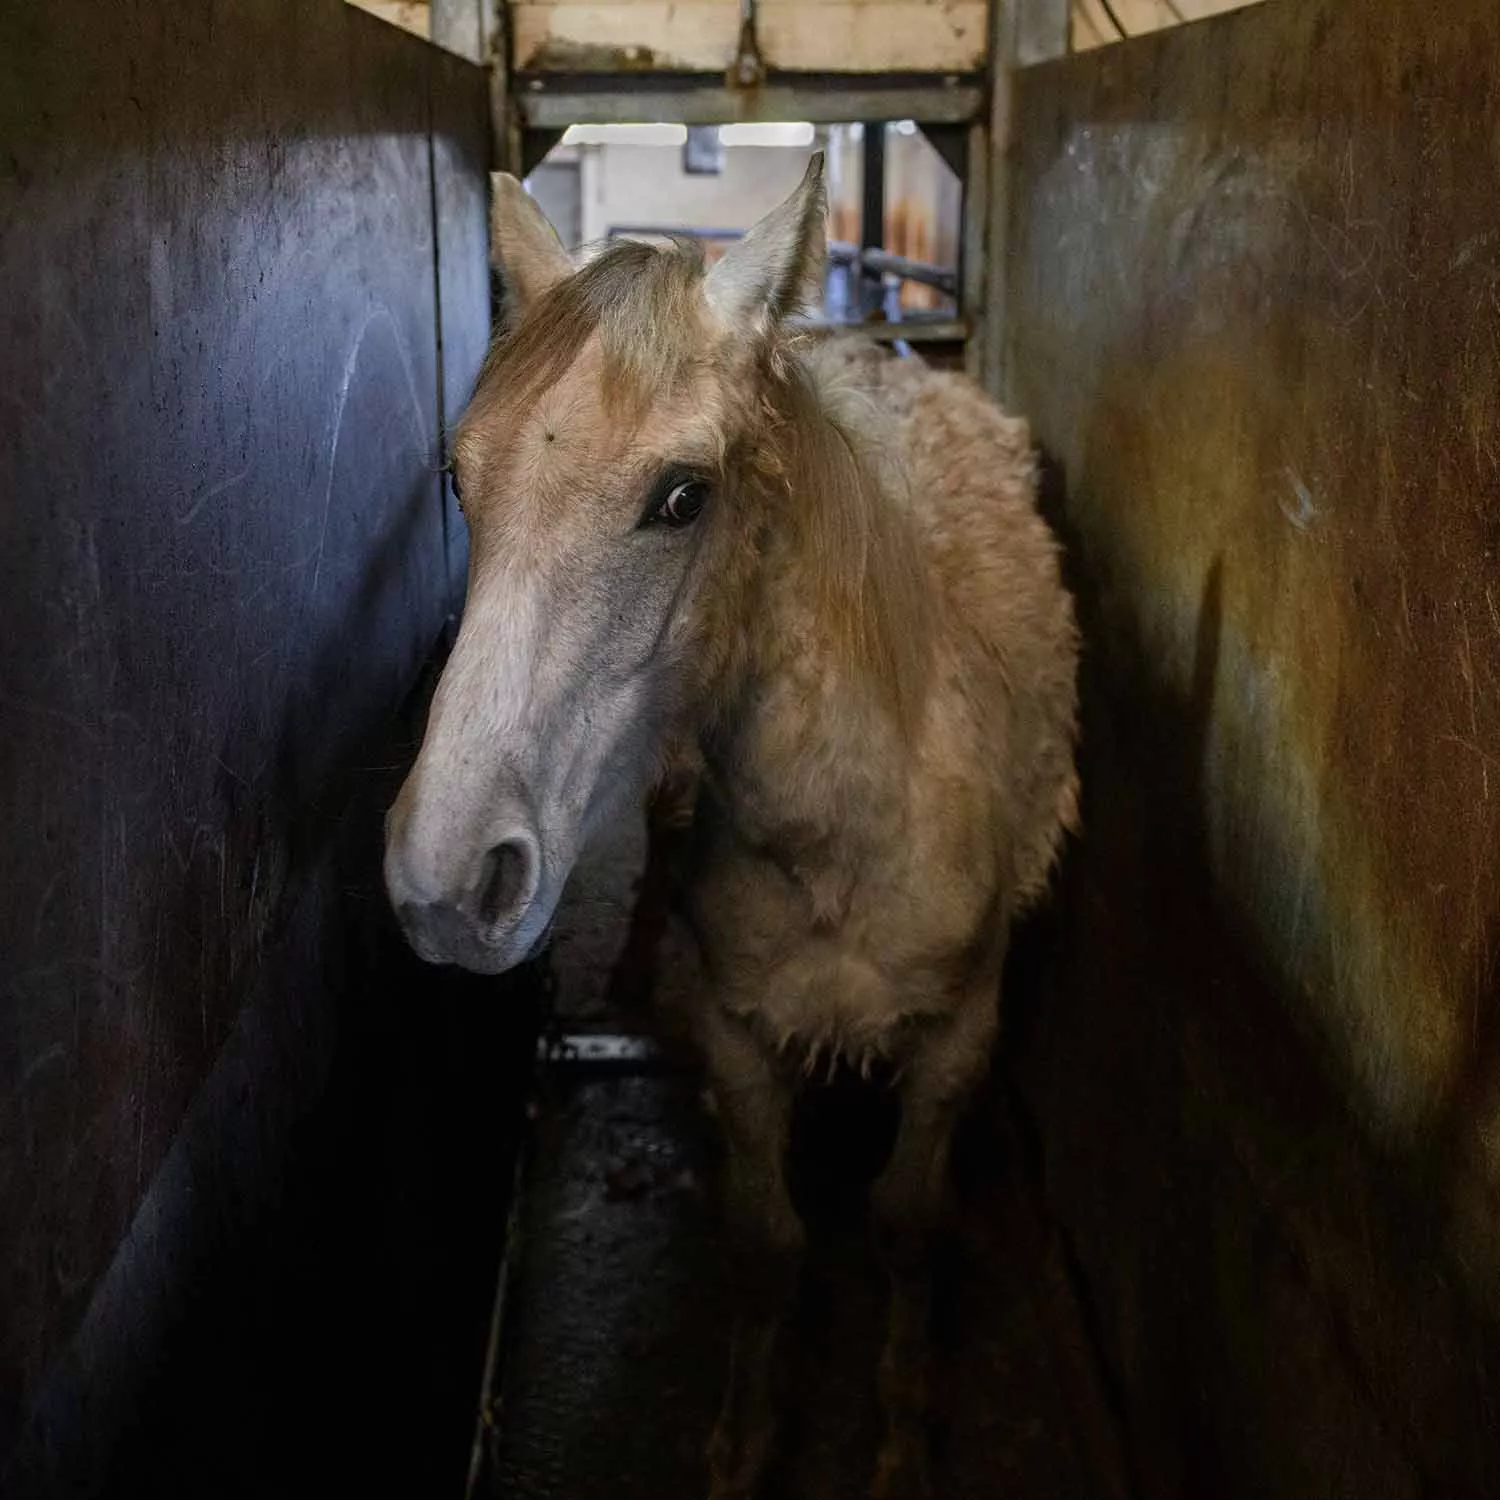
968,117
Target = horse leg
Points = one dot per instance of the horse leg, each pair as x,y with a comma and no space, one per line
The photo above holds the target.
908,1200
765,1250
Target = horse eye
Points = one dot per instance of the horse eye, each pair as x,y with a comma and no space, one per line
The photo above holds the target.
453,483
683,503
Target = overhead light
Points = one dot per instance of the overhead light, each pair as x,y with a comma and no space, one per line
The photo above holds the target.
767,133
906,127
660,134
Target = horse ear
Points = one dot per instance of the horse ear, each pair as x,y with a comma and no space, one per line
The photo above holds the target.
778,266
524,247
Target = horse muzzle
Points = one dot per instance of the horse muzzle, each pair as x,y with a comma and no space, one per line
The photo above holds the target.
485,911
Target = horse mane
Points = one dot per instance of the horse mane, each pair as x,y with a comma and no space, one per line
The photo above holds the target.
847,501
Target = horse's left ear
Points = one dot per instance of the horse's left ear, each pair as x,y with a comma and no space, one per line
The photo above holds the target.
778,267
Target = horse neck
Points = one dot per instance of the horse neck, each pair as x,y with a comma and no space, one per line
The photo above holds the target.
840,627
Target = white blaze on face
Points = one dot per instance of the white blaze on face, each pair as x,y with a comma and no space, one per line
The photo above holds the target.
464,860
548,718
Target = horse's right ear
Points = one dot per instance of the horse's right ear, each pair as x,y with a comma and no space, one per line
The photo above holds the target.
524,247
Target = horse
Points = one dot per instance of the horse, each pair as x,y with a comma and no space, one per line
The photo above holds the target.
701,532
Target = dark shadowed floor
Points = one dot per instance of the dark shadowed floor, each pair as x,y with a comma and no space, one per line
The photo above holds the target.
615,1335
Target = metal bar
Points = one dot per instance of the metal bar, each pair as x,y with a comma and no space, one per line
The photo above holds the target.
544,104
911,330
879,262
887,263
1003,37
976,199
680,232
840,252
587,1049
872,215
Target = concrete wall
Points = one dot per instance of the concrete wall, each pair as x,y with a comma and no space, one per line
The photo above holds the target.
628,184
1254,288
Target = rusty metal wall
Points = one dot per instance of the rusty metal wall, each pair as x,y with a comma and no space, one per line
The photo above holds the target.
235,244
1255,287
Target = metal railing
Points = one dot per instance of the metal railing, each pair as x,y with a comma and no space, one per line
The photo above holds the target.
840,253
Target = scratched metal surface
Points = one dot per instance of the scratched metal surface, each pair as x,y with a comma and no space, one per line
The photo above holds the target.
1256,282
222,560
1254,297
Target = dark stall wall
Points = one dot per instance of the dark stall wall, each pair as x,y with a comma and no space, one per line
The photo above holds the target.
1256,294
460,177
230,236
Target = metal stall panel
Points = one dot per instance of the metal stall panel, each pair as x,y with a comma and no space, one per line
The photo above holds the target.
222,561
1252,298
461,158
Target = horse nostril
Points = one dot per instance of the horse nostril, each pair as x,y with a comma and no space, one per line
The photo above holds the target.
506,878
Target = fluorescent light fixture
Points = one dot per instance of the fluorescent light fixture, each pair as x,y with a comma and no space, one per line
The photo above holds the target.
767,133
625,135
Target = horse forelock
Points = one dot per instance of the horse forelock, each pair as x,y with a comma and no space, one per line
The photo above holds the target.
642,304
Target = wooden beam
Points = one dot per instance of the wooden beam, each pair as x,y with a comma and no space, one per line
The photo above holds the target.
842,36
1093,25
547,104
409,15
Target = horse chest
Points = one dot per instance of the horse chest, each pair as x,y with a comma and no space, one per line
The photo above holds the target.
823,1002
822,986
841,892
